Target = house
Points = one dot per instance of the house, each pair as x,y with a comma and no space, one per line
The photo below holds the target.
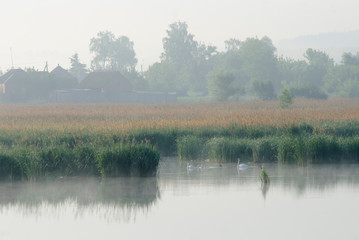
95,87
14,85
62,79
109,83
109,87
20,86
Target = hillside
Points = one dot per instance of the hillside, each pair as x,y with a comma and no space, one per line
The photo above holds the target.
334,44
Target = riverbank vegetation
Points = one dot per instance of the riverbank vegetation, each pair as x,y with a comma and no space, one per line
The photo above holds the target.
114,140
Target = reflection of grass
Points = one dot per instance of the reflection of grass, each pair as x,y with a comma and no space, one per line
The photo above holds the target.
125,195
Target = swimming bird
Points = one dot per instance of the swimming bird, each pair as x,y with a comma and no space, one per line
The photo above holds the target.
190,167
241,166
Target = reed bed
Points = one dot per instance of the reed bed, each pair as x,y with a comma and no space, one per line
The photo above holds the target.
90,139
19,163
128,118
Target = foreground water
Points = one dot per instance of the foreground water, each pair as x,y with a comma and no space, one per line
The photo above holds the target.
212,202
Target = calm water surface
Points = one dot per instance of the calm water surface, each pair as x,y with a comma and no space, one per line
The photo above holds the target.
316,202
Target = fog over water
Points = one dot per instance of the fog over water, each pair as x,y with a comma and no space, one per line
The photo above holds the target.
40,31
316,202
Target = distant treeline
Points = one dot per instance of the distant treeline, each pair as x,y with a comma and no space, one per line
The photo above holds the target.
245,69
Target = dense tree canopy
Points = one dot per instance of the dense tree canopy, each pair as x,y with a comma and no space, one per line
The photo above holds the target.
111,53
179,45
184,62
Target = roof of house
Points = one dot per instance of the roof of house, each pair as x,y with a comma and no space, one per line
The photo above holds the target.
61,73
13,74
99,80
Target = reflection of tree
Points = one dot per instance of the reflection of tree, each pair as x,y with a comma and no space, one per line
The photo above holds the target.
110,196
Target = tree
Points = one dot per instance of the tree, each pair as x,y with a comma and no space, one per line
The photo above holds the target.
253,64
264,90
163,76
184,64
259,62
285,98
179,46
111,53
342,80
137,79
101,46
292,72
221,86
350,59
232,45
77,68
123,55
308,91
319,63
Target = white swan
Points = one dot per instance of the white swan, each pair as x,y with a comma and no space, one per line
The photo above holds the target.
241,166
190,167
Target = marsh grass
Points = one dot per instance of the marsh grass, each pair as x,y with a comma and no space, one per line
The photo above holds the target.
30,163
191,147
125,160
229,149
114,139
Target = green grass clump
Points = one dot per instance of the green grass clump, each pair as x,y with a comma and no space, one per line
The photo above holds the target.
291,150
31,163
9,168
264,176
321,148
125,160
190,147
265,149
229,149
350,148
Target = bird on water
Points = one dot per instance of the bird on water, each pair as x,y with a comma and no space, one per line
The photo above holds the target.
241,165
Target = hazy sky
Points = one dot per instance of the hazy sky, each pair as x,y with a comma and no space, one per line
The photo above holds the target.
48,30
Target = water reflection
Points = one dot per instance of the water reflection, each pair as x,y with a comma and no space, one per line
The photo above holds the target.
293,178
265,188
122,198
113,199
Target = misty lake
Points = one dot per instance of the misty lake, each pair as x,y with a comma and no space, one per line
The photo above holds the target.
313,202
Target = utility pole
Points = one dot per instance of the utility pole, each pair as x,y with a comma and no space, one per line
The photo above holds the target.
12,60
46,68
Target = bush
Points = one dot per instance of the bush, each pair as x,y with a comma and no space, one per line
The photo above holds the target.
264,90
308,91
285,98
